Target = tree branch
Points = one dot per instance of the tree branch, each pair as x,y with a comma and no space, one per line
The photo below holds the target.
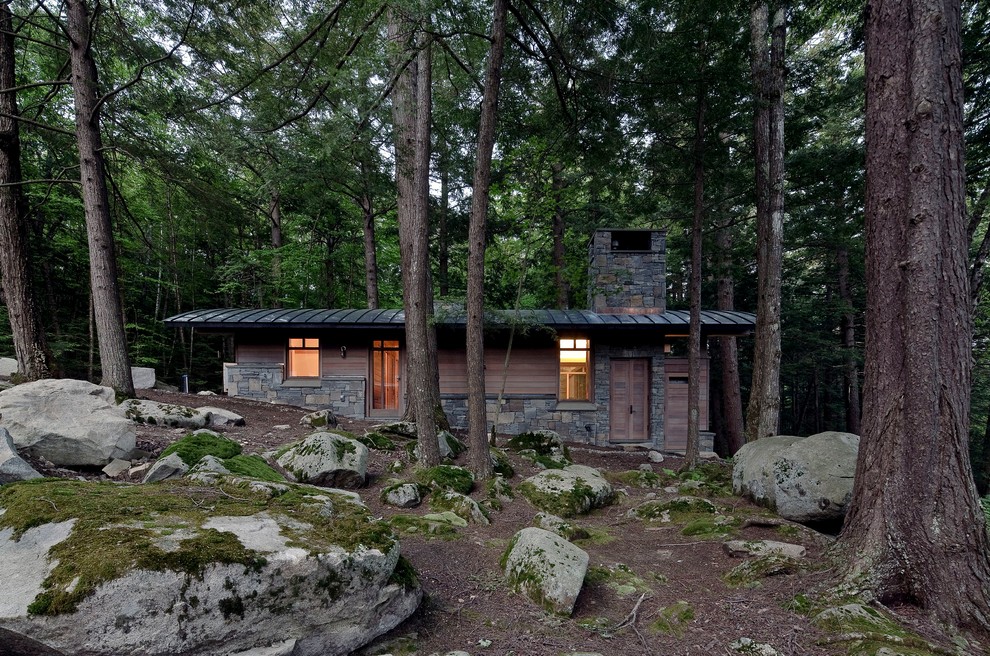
36,124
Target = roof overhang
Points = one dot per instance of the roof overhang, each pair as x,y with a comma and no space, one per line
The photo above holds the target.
671,322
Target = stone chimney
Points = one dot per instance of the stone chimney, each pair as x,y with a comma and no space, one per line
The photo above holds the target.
627,271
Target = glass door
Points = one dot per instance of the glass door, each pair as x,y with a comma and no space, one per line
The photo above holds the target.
386,396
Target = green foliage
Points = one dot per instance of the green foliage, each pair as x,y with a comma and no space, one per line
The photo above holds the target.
253,466
194,446
449,477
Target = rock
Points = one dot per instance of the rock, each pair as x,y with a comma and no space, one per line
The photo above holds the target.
281,427
743,548
13,468
461,505
164,414
402,495
561,527
224,582
403,429
219,418
655,456
446,517
143,377
70,423
8,367
544,447
450,446
645,468
117,467
171,466
138,472
752,470
546,568
749,646
327,459
206,393
209,465
567,492
320,419
813,478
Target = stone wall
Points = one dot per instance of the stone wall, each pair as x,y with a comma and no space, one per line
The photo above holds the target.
520,414
627,281
345,395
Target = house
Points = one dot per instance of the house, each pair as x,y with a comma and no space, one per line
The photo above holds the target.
604,375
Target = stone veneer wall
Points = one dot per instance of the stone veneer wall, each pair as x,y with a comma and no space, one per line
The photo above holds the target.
627,281
520,414
345,395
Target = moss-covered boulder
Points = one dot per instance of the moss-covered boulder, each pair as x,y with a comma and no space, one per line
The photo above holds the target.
446,477
567,492
326,458
543,447
401,495
165,414
194,446
197,569
546,568
461,505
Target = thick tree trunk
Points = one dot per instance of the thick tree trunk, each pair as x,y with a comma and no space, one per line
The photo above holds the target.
563,288
915,532
848,328
731,395
34,359
763,412
481,461
107,309
411,116
694,327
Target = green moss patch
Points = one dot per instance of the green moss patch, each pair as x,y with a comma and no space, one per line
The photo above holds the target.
194,446
673,619
579,500
543,443
635,478
376,441
619,577
447,477
711,478
253,466
707,527
501,464
866,630
750,572
119,528
680,510
416,524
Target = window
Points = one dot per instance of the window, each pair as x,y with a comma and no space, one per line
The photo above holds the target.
304,357
575,369
385,375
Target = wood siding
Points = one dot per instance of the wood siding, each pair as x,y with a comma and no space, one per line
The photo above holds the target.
532,371
331,364
676,402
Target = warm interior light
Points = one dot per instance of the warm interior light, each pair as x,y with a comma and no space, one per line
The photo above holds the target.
304,357
573,356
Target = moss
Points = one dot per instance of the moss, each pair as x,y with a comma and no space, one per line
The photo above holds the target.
463,508
619,577
253,466
866,630
194,446
681,509
138,515
546,462
417,524
231,606
706,527
501,464
715,478
376,441
404,574
750,572
673,619
344,448
448,477
635,478
543,443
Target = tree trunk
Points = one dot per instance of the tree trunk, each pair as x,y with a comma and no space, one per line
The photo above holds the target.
850,371
563,289
915,532
481,461
34,360
443,265
370,255
411,116
114,360
732,411
763,412
694,327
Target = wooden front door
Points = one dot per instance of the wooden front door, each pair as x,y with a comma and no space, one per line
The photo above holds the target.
386,395
675,413
629,409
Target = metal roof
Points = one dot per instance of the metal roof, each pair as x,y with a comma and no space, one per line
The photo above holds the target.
713,322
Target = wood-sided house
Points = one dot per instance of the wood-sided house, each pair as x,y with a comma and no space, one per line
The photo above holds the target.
603,375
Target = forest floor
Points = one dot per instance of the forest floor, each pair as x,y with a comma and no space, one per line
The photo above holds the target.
641,574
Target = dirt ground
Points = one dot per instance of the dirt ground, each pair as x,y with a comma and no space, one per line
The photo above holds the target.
636,570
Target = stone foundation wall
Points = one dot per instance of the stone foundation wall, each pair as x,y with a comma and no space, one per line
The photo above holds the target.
345,395
529,413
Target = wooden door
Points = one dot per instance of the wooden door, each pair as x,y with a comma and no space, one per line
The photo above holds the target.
629,409
675,418
386,395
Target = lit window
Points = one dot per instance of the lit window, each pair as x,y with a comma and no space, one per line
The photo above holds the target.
575,362
304,357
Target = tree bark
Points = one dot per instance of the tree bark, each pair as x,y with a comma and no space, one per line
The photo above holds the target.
114,360
763,412
563,288
481,461
848,328
34,359
411,117
732,411
694,324
915,532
